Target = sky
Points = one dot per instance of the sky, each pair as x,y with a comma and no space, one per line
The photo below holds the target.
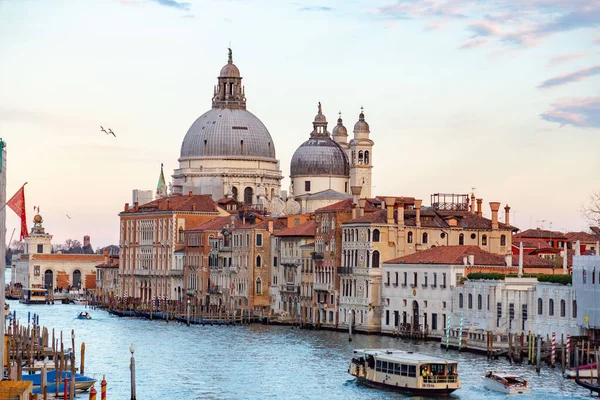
500,96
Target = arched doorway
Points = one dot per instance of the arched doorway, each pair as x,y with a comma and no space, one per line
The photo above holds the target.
248,194
49,279
415,321
76,279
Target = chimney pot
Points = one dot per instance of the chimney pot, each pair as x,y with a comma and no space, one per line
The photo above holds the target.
472,203
507,215
126,207
494,206
465,260
270,226
471,259
136,206
479,210
418,204
361,204
389,204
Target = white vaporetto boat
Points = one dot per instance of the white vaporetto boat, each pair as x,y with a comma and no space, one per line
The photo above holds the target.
503,382
405,371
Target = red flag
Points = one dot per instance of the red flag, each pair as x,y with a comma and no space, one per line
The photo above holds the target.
17,204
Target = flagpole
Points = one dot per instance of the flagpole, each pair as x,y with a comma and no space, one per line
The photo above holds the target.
2,208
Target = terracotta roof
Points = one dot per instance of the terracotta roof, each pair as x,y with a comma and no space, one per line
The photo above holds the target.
583,237
532,243
306,229
540,234
346,205
215,224
198,203
377,217
277,225
453,255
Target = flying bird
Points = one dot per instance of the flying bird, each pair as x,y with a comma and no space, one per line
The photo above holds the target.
102,129
111,132
68,216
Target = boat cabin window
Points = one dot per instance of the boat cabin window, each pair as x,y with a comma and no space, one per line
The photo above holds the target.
396,368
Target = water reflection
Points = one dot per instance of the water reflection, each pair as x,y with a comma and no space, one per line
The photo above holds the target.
174,361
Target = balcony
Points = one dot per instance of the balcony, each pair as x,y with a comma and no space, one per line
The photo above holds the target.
317,256
355,301
175,272
215,290
290,289
344,270
291,261
322,286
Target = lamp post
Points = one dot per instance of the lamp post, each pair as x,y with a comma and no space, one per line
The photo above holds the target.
132,368
188,311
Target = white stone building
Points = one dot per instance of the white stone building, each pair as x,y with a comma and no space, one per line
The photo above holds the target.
586,284
228,151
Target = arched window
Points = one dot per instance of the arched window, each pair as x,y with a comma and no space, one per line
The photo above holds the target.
551,307
470,301
574,308
503,240
479,302
461,239
425,237
234,193
375,259
360,157
180,236
376,235
258,261
484,240
248,192
366,157
258,286
460,300
540,306
409,237
77,279
563,308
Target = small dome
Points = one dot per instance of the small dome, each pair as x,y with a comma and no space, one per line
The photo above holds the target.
339,129
320,118
229,71
319,156
361,125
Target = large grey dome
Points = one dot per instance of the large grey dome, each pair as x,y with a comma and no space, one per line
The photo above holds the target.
320,156
228,133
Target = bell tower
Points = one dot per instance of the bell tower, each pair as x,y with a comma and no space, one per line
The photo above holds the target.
361,156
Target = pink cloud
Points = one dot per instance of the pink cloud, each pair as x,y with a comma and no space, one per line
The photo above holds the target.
575,111
480,42
563,58
570,77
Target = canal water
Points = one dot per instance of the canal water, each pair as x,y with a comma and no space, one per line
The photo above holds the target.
174,361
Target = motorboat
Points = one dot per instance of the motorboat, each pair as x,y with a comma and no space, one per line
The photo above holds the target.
82,382
405,371
34,296
586,371
84,315
504,382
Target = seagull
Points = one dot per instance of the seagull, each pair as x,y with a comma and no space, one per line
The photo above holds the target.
102,129
111,132
68,216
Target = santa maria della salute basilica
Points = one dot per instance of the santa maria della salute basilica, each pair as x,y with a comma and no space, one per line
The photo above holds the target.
230,154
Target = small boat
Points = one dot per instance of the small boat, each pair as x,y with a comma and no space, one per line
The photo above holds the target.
82,382
503,382
84,315
586,371
405,371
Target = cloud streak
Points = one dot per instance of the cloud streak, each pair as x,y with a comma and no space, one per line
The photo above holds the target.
581,112
563,58
174,4
570,77
316,8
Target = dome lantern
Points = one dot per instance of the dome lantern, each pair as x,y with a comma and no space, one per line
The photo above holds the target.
229,92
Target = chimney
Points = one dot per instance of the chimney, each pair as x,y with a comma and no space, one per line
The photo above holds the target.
126,207
508,259
418,204
355,196
507,215
169,205
190,193
472,203
105,257
270,226
136,206
86,240
521,259
471,259
465,260
194,207
389,204
494,206
479,210
362,203
400,210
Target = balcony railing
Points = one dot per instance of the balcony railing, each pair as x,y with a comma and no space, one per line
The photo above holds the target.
322,286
